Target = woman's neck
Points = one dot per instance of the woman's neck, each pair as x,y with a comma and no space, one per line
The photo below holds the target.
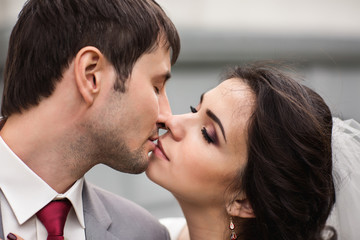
204,222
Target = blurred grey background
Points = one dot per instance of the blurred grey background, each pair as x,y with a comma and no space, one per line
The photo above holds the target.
320,39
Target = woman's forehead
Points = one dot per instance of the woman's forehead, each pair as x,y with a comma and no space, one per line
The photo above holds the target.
235,92
233,100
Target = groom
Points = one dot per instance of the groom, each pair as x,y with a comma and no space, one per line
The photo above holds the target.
84,84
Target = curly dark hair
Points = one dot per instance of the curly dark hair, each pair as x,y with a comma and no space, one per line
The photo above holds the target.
288,177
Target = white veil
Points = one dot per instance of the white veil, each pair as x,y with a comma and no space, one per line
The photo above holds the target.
345,216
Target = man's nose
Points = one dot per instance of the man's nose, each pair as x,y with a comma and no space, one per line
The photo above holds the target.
164,111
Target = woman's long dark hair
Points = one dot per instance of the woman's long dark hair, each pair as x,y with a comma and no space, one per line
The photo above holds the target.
288,177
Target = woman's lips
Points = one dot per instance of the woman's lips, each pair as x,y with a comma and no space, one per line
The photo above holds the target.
160,151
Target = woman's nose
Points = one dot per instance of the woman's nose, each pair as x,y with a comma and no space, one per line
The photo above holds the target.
177,125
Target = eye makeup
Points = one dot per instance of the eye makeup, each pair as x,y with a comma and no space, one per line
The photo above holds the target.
209,136
193,110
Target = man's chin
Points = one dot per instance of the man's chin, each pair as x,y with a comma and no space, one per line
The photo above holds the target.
133,165
136,169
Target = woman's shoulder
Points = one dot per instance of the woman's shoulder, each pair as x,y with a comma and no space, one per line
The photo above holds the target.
175,225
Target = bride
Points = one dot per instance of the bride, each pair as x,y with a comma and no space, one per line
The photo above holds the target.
252,161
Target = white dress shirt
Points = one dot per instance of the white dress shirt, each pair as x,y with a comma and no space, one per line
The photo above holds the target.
23,194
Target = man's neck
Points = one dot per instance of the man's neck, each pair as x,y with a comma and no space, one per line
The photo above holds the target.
44,149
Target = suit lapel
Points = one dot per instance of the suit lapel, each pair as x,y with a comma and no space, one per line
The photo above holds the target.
95,230
97,218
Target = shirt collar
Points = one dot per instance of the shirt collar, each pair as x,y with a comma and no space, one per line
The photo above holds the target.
26,192
74,194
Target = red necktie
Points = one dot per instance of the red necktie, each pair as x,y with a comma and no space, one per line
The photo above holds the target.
53,216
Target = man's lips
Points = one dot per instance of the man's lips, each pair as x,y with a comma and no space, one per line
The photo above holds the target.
152,139
153,145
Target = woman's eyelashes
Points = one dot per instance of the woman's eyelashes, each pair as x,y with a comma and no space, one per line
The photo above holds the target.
206,135
204,132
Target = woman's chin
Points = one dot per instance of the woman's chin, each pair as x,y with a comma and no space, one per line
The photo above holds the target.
154,173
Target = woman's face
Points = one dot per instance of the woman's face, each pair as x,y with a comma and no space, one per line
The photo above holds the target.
203,150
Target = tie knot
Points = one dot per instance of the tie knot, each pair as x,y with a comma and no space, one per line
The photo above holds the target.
53,216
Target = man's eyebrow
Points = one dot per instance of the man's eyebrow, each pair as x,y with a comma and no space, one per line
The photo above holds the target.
217,120
166,76
213,117
162,77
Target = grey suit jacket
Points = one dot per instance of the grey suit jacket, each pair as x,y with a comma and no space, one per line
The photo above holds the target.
111,217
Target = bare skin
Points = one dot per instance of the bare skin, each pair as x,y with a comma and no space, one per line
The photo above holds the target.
200,155
56,138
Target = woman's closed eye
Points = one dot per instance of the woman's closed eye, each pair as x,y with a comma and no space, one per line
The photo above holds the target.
204,132
206,135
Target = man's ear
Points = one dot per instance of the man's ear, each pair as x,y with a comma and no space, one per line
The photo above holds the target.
240,208
87,64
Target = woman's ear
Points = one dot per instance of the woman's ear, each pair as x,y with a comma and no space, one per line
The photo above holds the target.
87,65
240,208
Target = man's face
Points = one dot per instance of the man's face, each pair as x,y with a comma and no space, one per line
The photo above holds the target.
126,124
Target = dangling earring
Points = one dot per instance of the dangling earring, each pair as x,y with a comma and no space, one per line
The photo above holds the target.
233,235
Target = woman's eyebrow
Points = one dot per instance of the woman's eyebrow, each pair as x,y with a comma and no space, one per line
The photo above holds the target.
213,117
217,120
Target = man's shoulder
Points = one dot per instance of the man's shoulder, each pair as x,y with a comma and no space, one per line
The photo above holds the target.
125,214
116,203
